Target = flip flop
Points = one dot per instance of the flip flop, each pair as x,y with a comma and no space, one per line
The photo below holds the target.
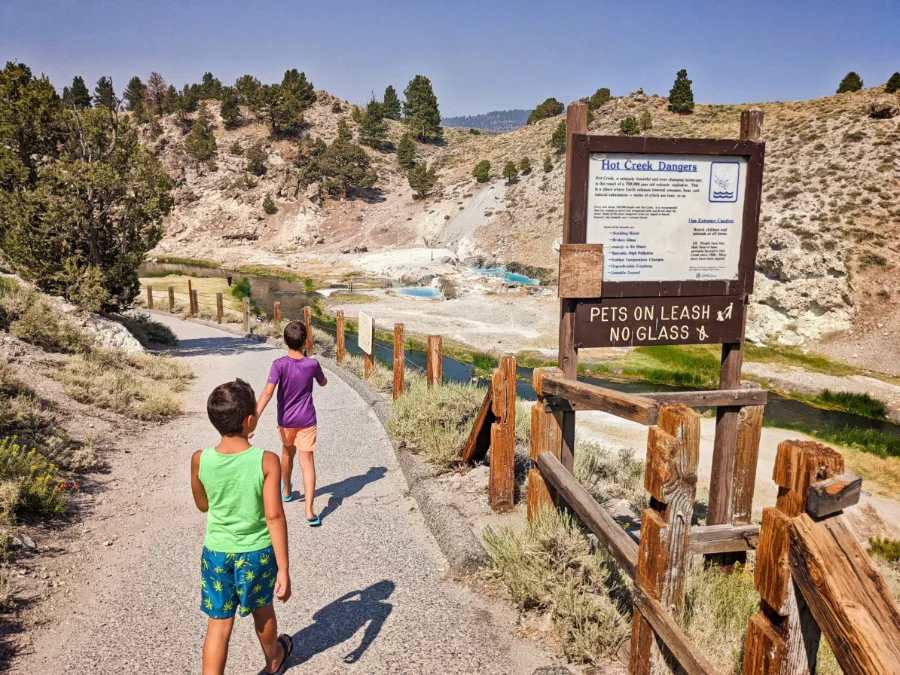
290,497
315,521
287,643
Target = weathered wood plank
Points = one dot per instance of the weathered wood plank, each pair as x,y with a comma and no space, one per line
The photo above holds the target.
341,350
628,406
848,598
749,433
307,321
706,539
171,298
503,436
149,297
276,313
479,440
833,494
245,315
220,308
580,270
537,378
715,397
546,436
688,657
763,649
399,360
598,520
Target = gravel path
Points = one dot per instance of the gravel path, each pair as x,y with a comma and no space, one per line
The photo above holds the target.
369,583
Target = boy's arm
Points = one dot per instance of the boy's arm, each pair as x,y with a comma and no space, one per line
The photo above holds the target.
197,488
320,376
276,523
264,398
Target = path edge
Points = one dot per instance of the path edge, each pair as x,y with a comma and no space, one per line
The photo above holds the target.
461,547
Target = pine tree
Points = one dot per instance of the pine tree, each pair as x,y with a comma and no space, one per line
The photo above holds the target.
549,108
681,96
201,142
510,173
210,87
156,91
78,96
629,127
372,128
421,110
525,165
295,84
646,121
548,164
346,168
257,156
422,180
280,109
135,93
230,110
851,82
170,102
893,84
599,98
343,130
406,151
391,103
482,171
558,138
247,88
269,205
104,94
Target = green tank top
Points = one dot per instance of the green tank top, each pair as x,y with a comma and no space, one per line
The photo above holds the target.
236,520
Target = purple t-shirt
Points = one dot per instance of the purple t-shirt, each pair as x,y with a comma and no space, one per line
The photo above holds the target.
294,378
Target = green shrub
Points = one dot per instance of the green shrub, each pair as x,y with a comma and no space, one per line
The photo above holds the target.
548,164
558,137
482,171
475,132
236,149
257,156
888,549
40,490
893,84
269,205
599,98
646,121
851,82
549,108
609,474
510,173
525,165
629,127
147,331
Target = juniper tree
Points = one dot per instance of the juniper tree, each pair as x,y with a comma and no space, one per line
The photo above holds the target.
681,96
104,94
372,128
247,88
269,205
391,103
548,164
599,98
406,151
422,180
170,102
236,149
525,165
201,142
558,138
230,111
893,84
257,156
343,130
78,96
420,109
295,84
851,82
482,171
510,173
210,87
645,121
549,108
629,127
346,168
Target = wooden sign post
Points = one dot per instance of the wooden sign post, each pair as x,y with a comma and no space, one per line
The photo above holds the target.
307,321
340,348
220,308
659,248
171,298
399,360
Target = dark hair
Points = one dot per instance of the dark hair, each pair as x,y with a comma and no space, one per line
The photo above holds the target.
295,335
229,405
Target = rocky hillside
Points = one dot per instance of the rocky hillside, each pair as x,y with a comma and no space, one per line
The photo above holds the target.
830,217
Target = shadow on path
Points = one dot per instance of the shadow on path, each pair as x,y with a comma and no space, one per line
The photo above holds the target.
339,621
219,346
347,488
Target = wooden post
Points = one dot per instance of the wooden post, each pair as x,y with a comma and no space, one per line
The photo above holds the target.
576,123
341,344
673,450
399,360
726,439
307,321
503,436
435,363
191,308
546,436
276,313
783,639
749,433
196,302
246,315
149,297
171,298
220,308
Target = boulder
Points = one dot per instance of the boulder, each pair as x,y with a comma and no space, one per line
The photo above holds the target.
884,107
345,249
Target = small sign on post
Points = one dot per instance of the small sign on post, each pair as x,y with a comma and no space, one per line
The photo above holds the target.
366,341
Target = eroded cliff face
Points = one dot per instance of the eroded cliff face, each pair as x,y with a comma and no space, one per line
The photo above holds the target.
831,202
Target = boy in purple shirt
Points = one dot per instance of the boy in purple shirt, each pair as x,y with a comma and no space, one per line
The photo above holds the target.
294,375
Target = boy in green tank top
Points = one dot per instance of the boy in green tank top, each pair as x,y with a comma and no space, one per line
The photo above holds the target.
244,564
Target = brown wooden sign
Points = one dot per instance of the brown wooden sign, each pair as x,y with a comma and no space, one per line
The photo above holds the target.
633,322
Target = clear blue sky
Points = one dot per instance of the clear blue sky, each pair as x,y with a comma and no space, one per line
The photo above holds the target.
480,55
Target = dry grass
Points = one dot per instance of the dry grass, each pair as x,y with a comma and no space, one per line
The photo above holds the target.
549,566
34,319
206,288
147,331
140,386
381,379
609,474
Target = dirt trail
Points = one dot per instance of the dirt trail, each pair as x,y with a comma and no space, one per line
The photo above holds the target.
369,593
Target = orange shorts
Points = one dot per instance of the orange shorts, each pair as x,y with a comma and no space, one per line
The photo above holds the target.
304,439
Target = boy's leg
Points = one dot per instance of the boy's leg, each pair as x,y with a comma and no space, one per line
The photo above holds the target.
215,647
308,467
288,450
267,631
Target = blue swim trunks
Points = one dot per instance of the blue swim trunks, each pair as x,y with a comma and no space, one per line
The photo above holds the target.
229,580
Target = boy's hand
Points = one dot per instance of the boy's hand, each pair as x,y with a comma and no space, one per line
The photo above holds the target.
283,586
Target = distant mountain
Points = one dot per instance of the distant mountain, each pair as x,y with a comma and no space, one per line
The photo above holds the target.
496,120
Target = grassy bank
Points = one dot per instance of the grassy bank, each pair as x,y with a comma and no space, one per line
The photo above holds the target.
196,262
861,405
